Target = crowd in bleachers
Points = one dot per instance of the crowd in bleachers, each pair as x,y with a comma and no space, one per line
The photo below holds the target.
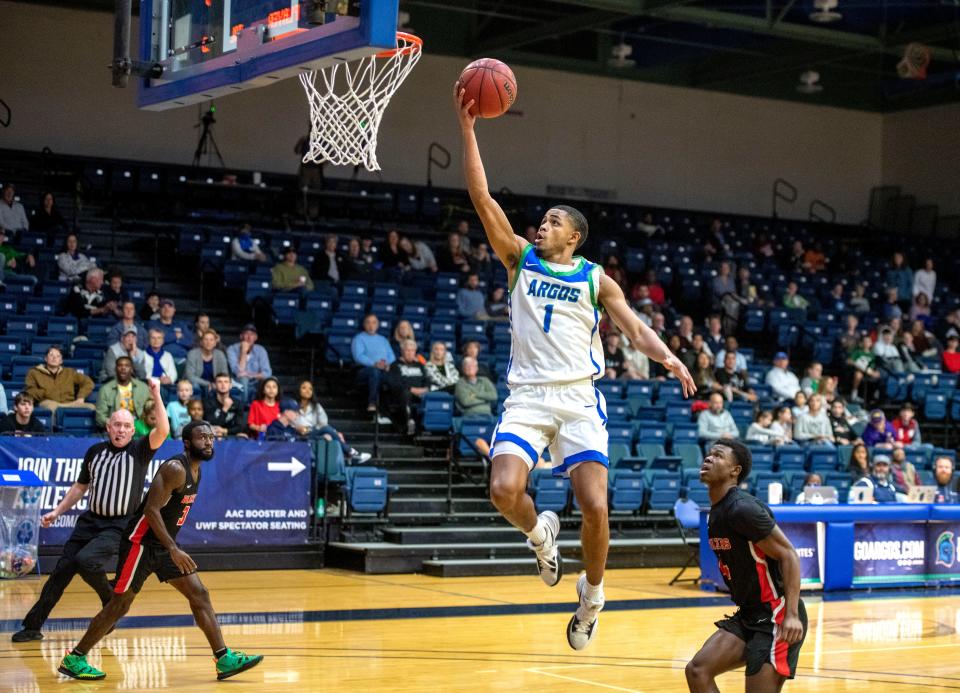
797,342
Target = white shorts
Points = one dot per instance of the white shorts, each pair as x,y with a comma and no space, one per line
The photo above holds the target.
569,419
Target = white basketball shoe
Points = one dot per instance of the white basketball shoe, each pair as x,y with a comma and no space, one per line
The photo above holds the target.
549,561
583,624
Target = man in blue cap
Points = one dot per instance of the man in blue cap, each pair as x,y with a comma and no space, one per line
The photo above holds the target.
782,381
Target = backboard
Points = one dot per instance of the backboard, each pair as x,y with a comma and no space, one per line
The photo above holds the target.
212,48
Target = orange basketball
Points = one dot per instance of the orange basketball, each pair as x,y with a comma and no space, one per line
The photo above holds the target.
491,85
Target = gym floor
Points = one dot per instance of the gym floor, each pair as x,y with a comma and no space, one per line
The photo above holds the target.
336,630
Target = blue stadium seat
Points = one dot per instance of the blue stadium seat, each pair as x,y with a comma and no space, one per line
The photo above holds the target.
367,489
763,457
935,405
641,388
669,391
664,490
285,307
690,454
791,458
44,416
697,491
678,412
471,428
75,421
257,287
652,432
618,411
822,458
620,433
437,410
355,291
684,433
339,347
550,492
235,274
627,492
671,463
617,452
763,481
611,389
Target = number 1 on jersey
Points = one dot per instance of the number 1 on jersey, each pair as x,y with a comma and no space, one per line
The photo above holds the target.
547,316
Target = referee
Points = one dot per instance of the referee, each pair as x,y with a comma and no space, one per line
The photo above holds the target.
114,471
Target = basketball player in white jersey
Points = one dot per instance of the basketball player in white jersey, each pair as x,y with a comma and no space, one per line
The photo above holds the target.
556,354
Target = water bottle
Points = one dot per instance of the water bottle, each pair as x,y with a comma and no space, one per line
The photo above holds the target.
320,507
262,436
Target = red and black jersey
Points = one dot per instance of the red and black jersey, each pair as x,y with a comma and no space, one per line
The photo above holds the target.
174,513
735,525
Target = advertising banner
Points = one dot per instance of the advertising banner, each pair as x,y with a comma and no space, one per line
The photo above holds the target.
251,493
943,563
807,540
889,552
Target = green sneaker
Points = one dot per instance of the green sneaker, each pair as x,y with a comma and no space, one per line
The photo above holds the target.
76,667
233,662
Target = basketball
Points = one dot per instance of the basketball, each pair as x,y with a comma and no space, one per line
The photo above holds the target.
491,85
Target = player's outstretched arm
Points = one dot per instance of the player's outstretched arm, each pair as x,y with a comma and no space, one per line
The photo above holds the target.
162,429
778,547
505,243
641,337
170,477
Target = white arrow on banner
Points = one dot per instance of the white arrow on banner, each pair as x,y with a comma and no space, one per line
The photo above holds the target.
294,466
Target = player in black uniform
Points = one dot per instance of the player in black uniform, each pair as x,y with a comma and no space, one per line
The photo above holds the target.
762,570
149,547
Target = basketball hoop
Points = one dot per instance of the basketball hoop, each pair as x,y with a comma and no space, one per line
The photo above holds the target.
345,112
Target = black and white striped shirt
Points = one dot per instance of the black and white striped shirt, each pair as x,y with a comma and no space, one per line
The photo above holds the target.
116,476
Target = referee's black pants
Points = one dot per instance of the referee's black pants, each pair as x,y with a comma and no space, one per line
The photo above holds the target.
90,551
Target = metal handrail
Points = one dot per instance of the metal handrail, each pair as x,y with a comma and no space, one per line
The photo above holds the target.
779,185
814,216
431,160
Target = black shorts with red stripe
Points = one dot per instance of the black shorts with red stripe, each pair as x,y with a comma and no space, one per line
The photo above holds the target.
761,646
139,561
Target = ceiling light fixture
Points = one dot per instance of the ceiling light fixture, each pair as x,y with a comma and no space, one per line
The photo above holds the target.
824,12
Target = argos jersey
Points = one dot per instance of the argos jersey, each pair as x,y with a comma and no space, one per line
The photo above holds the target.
553,322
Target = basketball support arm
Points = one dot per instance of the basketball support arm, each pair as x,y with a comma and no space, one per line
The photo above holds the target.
123,65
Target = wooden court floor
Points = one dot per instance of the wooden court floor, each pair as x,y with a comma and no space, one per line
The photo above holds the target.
331,630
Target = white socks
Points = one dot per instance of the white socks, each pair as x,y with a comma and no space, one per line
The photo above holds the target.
538,534
591,601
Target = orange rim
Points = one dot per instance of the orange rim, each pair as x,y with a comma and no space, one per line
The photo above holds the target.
414,43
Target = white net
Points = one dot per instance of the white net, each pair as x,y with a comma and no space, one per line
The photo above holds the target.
347,101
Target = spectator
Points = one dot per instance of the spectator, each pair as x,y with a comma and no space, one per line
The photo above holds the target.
51,385
613,357
732,345
716,423
284,426
900,277
249,362
195,410
858,465
223,412
799,405
13,216
128,321
312,421
891,309
419,255
497,306
761,430
114,293
48,218
783,424
71,262
811,381
792,299
879,481
950,325
480,260
879,432
613,270
903,474
906,427
407,382
355,266
722,286
781,380
288,275
734,382
942,474
703,377
859,303
402,332
21,420
177,408
328,265
127,346
685,330
87,301
814,426
795,257
747,294
245,247
147,421
925,280
451,257
474,394
471,348
470,300
205,361
150,310
14,261
920,310
813,480
814,260
177,336
201,323
123,392
158,363
886,355
372,352
836,300
463,232
840,425
266,407
828,388
862,366
715,244
950,356
715,340
392,256
849,339
441,373
635,360
367,251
